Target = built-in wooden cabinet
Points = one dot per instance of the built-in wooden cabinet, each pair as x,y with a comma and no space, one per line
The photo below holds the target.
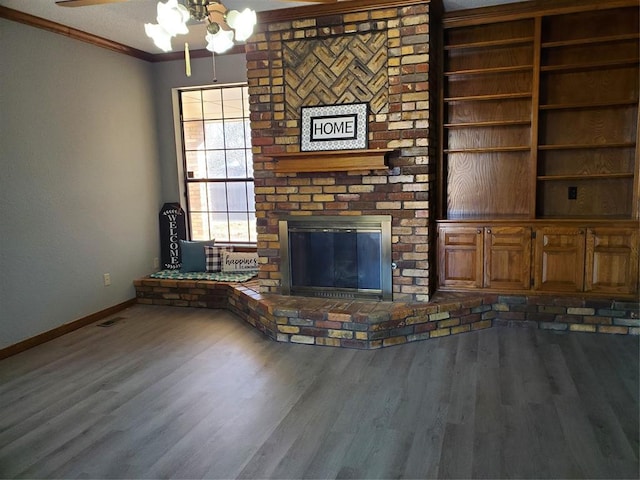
559,259
495,257
539,257
539,133
461,256
507,257
482,256
611,260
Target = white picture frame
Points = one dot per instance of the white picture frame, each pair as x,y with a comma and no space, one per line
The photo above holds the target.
334,127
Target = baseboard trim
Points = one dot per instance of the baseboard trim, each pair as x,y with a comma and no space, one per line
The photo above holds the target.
63,329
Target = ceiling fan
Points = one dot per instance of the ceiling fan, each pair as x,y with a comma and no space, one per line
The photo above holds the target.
224,27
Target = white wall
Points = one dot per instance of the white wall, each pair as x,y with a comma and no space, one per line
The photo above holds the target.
80,182
87,159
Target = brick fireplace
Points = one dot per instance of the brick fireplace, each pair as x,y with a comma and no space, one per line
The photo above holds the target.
375,54
351,52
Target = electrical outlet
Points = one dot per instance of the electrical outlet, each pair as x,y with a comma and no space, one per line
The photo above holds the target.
572,194
107,279
156,262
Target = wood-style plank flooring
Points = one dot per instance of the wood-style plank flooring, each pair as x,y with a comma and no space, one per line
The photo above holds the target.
170,392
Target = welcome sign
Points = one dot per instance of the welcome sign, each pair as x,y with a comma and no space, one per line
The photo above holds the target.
334,127
172,230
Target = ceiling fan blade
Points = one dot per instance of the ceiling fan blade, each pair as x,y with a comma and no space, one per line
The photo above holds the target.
85,3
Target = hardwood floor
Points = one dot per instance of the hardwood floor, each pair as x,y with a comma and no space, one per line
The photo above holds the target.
170,392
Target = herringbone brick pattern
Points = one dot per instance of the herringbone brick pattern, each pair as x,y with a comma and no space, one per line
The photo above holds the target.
337,70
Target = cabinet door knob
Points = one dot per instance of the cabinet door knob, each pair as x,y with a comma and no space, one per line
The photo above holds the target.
488,230
479,230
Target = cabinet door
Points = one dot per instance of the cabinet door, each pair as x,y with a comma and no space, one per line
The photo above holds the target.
611,260
559,259
507,258
460,254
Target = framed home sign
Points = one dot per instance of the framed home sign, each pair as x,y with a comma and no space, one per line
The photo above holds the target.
334,127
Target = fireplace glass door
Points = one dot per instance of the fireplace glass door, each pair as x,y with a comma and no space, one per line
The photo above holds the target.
336,258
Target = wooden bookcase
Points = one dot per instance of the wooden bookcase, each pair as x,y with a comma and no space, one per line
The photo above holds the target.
539,134
588,114
489,85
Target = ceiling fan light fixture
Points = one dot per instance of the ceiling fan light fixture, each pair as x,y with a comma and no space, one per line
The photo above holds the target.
242,23
219,42
173,17
161,38
224,26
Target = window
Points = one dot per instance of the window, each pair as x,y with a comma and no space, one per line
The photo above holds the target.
218,163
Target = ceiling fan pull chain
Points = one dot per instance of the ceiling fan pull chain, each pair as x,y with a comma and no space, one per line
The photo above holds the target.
187,60
213,58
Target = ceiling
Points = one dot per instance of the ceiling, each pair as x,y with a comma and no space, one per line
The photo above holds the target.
124,22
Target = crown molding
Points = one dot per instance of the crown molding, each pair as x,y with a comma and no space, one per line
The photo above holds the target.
44,24
532,8
337,8
33,21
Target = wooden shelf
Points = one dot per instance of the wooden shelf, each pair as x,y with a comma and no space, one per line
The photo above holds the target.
496,96
489,149
590,41
495,123
332,161
590,66
570,114
591,176
593,220
491,43
562,106
486,71
578,146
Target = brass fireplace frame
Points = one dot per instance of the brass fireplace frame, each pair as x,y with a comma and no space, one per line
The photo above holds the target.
364,223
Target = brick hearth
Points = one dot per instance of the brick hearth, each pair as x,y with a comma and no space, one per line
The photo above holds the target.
373,324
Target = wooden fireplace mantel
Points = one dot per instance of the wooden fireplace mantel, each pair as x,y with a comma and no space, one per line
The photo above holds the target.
332,161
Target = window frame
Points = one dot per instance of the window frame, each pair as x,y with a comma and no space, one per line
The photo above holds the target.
184,181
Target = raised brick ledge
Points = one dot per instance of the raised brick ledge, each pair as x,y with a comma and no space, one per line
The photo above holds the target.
366,324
